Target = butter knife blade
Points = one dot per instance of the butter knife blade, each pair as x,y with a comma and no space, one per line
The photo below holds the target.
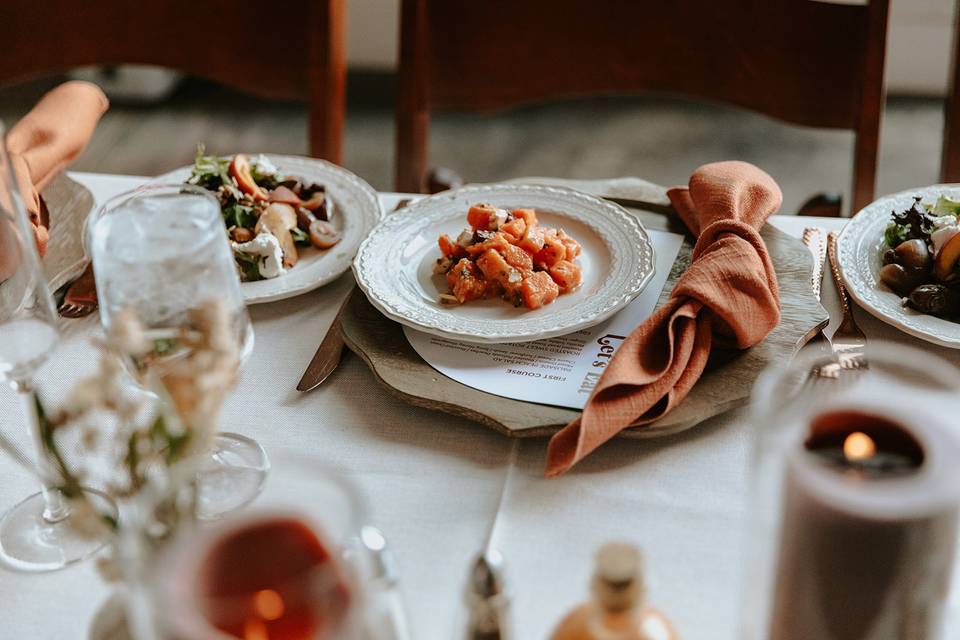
328,354
664,208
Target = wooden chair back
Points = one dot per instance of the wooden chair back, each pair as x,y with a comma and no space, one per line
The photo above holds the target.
801,61
279,49
950,159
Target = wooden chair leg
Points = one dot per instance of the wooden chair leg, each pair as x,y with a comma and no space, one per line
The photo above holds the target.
413,112
823,205
327,84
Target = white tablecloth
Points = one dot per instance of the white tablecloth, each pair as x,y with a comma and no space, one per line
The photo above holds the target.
434,482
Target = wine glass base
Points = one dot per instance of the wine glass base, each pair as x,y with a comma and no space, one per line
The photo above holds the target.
31,544
231,477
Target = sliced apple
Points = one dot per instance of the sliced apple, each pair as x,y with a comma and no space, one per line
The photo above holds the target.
286,196
947,258
278,219
317,204
240,170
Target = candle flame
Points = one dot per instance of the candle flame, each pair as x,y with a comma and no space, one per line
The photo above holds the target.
859,446
268,604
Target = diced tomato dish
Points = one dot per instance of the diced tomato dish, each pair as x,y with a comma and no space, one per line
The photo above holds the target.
508,254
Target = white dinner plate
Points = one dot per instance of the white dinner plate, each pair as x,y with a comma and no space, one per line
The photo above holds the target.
356,212
394,265
860,249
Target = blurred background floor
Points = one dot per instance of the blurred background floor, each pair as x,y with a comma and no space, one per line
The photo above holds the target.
659,139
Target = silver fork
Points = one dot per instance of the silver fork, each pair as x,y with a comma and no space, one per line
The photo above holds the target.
826,366
815,240
72,310
849,343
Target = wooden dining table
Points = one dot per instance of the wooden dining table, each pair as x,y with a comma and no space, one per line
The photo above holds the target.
440,486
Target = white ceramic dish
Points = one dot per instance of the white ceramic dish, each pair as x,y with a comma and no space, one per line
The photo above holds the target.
356,212
859,254
394,264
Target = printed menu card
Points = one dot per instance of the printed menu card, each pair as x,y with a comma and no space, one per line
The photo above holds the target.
559,371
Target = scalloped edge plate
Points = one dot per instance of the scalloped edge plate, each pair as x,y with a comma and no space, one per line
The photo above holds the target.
859,259
356,205
392,266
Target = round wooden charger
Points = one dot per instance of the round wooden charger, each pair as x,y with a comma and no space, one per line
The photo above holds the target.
726,383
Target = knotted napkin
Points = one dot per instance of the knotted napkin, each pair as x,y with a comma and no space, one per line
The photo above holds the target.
45,140
727,298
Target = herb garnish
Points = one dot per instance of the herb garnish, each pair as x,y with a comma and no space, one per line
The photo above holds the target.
209,172
249,266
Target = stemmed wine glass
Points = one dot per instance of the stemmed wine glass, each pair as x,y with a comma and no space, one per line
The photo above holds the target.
161,251
284,568
35,535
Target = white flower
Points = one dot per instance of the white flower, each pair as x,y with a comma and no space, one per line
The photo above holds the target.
85,396
109,569
126,334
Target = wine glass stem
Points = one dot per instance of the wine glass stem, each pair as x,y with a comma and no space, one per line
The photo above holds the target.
55,507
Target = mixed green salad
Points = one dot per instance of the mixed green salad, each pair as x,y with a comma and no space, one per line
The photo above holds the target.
921,256
268,214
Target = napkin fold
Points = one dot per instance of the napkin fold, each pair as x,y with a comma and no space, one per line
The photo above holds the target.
727,298
48,138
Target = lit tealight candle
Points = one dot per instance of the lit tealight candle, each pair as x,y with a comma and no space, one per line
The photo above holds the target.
840,439
869,528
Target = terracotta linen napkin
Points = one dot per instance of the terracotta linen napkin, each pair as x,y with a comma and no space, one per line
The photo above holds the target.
48,138
727,298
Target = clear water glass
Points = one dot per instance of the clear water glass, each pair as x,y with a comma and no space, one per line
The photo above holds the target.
161,251
36,534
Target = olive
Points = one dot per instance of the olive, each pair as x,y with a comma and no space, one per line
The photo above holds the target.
935,299
913,254
901,279
889,256
304,218
308,189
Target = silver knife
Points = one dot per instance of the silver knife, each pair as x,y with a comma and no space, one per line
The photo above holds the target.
328,354
664,208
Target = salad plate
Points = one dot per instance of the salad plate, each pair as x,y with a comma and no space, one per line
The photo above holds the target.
395,265
356,210
860,254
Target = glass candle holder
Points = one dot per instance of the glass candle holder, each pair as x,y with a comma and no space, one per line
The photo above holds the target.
855,500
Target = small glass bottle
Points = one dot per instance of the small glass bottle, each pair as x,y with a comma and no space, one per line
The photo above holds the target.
487,600
618,610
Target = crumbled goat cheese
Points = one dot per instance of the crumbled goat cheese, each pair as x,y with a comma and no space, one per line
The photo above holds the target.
267,247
